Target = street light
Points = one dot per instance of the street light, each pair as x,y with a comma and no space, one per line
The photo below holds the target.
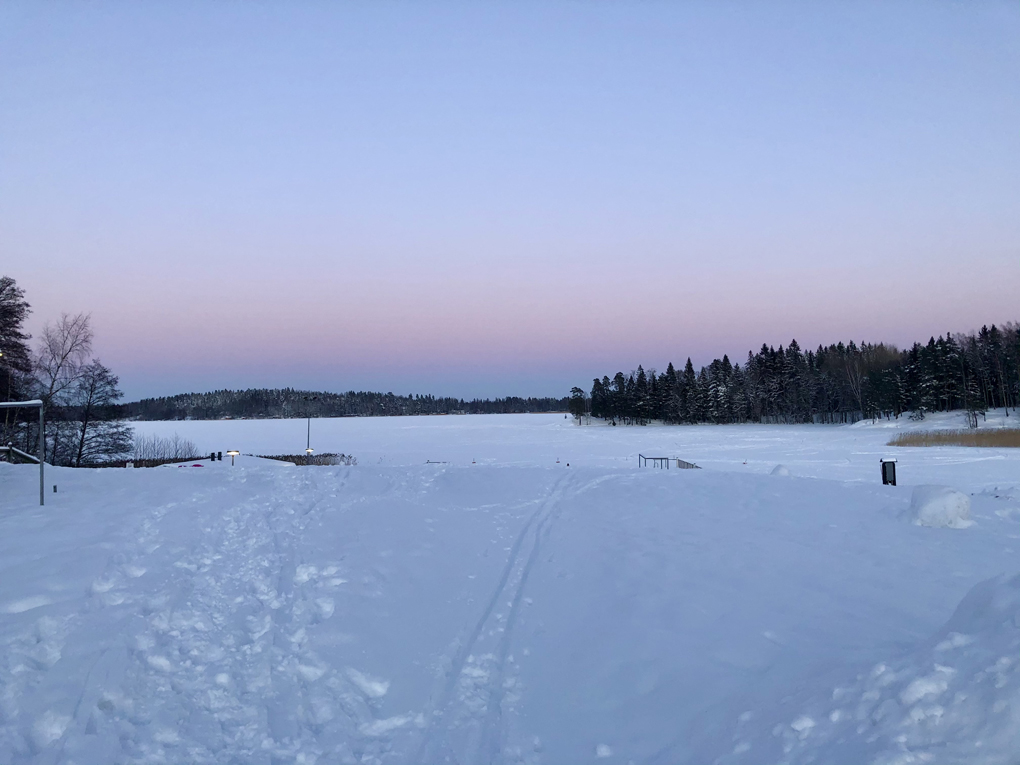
308,413
233,453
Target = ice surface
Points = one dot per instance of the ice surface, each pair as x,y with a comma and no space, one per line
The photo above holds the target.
940,506
841,453
515,610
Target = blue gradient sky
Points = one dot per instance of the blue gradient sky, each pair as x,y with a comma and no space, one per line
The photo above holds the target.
504,198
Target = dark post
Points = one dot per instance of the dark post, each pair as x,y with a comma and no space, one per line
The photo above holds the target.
219,456
888,472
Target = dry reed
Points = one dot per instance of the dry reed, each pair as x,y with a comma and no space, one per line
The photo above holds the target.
1006,437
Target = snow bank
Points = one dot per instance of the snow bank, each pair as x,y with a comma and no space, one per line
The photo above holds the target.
780,470
940,506
954,699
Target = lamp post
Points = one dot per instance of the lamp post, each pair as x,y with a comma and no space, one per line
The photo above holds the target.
308,414
233,453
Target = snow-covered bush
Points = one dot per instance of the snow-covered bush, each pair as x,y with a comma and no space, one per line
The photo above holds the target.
940,506
780,470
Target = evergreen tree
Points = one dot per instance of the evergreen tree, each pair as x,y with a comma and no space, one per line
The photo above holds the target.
15,358
688,394
842,382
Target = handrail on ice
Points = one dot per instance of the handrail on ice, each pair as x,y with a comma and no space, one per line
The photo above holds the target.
664,462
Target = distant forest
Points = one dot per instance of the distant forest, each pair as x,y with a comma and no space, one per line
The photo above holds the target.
261,403
838,383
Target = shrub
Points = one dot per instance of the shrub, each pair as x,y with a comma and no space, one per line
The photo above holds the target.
1006,437
159,450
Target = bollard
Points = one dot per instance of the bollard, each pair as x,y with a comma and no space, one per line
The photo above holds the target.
54,488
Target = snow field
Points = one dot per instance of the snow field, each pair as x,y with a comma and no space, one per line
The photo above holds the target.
513,613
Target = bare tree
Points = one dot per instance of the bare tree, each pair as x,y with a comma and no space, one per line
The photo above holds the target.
98,435
63,353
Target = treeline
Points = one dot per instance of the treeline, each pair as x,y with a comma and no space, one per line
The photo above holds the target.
261,403
837,383
82,422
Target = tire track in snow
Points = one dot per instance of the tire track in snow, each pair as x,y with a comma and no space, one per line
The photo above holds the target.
488,735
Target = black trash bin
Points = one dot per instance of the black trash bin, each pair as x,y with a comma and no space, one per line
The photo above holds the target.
889,472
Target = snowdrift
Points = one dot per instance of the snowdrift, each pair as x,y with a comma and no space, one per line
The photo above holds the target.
940,506
955,699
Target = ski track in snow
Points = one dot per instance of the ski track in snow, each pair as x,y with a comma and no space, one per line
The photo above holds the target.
212,663
469,712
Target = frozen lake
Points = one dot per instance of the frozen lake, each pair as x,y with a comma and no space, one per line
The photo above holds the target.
538,440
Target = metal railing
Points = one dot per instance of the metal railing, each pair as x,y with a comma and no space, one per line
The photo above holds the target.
12,449
664,462
42,440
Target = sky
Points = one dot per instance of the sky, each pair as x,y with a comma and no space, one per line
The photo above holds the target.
503,198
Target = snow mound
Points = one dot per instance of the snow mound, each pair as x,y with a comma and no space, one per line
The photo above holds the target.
940,506
954,699
780,470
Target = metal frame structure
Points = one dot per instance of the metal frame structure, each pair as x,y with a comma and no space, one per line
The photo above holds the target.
664,462
42,439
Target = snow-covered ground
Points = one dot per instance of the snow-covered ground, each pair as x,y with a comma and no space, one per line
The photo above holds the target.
514,610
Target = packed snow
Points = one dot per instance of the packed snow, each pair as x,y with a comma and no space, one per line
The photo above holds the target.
528,596
940,506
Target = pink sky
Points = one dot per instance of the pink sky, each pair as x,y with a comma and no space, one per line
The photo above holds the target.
504,200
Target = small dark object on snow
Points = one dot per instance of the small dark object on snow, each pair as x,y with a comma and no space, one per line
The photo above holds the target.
888,472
